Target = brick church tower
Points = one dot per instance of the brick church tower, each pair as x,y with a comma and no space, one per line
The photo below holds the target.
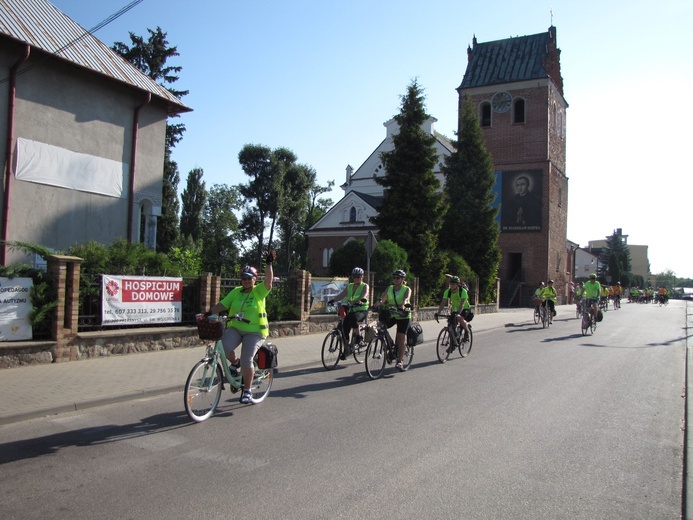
517,87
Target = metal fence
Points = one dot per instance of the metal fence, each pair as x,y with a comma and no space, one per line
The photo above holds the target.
90,302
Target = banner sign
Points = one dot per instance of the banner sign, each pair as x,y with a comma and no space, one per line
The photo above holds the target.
15,309
322,291
133,300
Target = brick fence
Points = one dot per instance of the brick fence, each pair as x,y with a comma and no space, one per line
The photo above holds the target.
68,344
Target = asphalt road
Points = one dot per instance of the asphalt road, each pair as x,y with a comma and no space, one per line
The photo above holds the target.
533,424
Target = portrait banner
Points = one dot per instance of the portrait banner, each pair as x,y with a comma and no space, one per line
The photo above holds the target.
134,300
521,200
15,309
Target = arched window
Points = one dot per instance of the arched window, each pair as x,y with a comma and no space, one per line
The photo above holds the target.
485,110
352,214
519,111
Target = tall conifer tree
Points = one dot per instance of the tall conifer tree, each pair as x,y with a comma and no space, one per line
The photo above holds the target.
412,211
470,223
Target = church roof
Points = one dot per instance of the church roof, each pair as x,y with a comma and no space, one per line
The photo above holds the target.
506,61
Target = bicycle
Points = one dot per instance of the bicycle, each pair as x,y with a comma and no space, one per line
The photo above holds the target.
382,349
333,347
589,320
617,301
546,319
452,336
206,380
578,308
537,315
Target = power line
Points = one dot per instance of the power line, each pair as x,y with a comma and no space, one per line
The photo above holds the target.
91,31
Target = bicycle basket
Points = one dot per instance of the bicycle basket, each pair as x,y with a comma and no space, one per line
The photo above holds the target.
384,315
209,327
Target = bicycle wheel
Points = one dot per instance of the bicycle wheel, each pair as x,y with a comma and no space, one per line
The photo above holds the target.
202,390
443,345
331,350
360,352
262,384
408,356
465,346
585,325
376,357
578,312
544,318
593,325
536,316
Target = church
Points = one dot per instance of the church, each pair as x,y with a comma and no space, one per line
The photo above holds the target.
517,87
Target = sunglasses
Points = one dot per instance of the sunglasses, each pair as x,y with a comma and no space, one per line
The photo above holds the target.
246,277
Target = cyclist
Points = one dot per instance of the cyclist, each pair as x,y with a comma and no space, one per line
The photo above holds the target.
458,298
354,293
548,296
397,295
578,295
617,292
537,297
248,301
663,294
590,293
604,296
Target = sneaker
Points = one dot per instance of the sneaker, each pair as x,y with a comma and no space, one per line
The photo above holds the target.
245,397
399,366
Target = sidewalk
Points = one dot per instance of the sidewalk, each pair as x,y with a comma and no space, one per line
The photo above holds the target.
39,390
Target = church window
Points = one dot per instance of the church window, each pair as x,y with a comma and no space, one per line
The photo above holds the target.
352,214
519,111
486,114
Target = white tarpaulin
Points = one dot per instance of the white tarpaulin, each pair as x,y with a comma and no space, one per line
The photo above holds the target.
15,308
47,164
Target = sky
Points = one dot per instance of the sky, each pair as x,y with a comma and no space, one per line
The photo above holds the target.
321,77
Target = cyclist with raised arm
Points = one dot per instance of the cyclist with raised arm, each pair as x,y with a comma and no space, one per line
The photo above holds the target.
548,296
591,291
457,297
397,295
248,302
354,293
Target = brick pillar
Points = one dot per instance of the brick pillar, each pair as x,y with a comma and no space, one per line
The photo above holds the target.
210,288
299,287
65,271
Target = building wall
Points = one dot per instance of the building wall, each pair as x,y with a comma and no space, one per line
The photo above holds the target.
67,107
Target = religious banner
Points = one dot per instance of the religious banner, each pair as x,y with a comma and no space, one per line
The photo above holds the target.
135,300
521,200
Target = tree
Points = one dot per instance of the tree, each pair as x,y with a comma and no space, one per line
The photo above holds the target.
470,223
412,210
194,199
317,207
615,258
266,169
293,208
150,57
343,261
167,229
219,250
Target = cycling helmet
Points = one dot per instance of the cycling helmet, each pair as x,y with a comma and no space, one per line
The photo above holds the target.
454,279
357,271
550,281
399,273
249,270
593,276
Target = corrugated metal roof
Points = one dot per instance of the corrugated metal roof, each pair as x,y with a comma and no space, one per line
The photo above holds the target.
43,26
506,61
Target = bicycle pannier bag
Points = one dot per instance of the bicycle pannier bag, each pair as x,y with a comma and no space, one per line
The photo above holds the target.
600,315
267,356
467,315
414,335
209,328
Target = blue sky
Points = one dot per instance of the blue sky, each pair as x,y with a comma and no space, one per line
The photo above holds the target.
321,78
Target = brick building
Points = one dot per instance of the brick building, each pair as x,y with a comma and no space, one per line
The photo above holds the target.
517,87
